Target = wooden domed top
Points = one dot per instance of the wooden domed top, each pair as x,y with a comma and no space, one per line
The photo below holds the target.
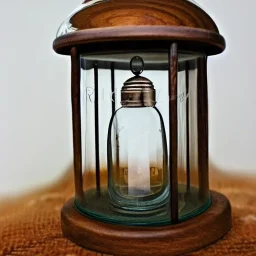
114,21
113,13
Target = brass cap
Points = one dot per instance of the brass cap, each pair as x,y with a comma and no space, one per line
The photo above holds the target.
138,91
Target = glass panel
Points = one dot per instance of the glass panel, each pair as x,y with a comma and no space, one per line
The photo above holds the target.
182,139
133,148
190,201
88,124
193,123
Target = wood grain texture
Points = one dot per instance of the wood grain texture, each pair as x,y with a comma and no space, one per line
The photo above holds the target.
148,241
203,130
134,20
129,37
173,136
76,120
187,68
113,13
96,126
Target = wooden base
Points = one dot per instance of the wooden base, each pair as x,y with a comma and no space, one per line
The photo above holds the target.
185,237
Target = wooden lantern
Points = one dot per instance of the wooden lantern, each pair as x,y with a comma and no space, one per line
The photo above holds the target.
141,142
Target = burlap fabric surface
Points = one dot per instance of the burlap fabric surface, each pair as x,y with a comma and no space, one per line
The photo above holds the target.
30,226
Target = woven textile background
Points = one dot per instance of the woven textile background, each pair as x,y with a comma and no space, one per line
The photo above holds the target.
30,226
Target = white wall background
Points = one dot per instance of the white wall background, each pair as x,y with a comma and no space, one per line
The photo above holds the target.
35,109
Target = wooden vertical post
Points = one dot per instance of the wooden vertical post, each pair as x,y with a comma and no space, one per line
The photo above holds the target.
173,119
113,91
187,128
113,88
97,140
202,108
76,118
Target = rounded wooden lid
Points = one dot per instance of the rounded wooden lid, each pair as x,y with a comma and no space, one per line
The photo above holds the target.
115,13
100,17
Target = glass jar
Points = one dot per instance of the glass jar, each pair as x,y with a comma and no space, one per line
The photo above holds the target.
137,150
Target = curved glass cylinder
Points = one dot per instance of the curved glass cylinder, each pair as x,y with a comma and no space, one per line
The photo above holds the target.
137,160
102,77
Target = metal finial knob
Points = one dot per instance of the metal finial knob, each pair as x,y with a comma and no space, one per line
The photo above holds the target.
137,65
